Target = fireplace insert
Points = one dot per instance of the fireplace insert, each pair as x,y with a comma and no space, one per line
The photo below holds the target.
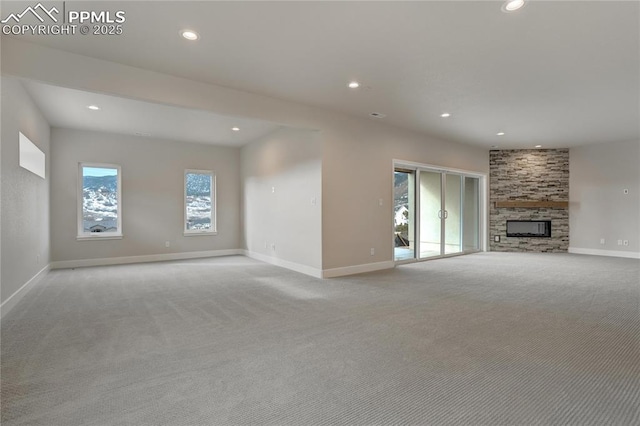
529,228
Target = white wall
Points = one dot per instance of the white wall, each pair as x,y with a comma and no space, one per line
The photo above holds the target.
598,206
25,196
282,208
152,194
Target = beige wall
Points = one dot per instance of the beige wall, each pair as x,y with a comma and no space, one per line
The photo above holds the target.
357,172
152,194
598,206
282,189
25,196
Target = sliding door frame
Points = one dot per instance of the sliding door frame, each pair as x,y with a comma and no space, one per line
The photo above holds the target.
482,208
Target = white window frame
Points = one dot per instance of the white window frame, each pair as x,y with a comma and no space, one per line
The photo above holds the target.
82,234
214,205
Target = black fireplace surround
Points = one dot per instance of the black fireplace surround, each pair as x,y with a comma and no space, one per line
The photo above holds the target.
529,228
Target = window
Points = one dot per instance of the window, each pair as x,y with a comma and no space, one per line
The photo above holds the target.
199,202
99,201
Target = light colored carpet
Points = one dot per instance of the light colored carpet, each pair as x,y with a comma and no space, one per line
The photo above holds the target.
485,339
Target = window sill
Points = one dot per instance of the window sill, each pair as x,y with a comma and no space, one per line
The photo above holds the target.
200,234
96,238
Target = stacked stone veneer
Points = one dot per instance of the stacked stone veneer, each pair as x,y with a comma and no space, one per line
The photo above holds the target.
529,175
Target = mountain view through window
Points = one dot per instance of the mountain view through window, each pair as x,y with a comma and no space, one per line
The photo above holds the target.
99,199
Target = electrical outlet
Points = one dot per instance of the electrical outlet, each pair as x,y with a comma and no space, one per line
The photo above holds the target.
167,244
496,238
373,251
601,240
625,242
619,242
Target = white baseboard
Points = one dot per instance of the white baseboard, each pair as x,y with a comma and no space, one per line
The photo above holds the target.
13,300
598,252
303,269
143,259
357,269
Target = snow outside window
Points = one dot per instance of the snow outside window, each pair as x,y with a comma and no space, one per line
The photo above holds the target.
199,202
99,201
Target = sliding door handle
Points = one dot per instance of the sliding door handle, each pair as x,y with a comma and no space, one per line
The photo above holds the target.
446,214
439,214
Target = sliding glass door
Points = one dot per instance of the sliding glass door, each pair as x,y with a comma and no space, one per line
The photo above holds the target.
430,214
404,184
471,214
437,213
452,213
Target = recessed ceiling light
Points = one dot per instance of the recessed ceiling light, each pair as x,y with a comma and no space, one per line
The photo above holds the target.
500,134
93,107
445,115
512,5
235,129
538,146
190,35
354,85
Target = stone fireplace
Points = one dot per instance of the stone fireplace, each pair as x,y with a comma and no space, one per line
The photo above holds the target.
529,187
